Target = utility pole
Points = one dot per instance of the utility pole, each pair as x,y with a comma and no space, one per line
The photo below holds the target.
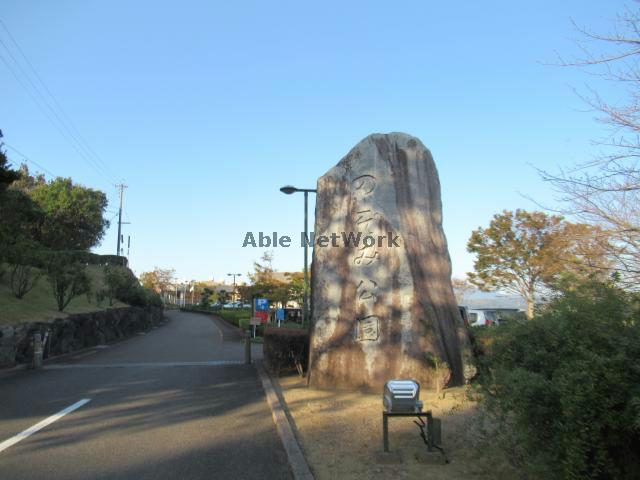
121,186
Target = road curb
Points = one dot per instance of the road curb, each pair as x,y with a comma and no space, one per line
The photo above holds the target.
298,463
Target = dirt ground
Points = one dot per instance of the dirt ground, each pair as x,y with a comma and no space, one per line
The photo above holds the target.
341,435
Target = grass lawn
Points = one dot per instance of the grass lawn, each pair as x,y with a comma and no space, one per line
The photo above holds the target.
39,303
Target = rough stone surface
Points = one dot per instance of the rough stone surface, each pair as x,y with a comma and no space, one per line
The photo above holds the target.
74,332
382,311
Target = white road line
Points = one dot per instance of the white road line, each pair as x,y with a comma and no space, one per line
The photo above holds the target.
39,426
219,330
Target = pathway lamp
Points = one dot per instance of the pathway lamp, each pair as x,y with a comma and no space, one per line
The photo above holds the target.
288,189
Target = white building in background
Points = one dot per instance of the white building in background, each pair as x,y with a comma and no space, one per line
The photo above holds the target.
480,300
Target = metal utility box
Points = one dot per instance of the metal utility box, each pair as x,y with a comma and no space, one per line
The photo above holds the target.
402,396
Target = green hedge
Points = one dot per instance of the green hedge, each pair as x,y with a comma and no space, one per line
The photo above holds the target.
564,388
286,349
234,315
40,258
195,309
122,284
95,259
238,317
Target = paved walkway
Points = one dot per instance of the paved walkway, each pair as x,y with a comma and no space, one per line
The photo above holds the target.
173,403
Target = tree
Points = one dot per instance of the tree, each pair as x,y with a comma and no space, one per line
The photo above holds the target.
605,190
562,391
73,215
205,297
7,175
23,257
263,283
68,280
196,292
223,296
21,220
245,293
522,252
263,269
23,279
461,286
20,216
158,280
27,182
295,287
119,282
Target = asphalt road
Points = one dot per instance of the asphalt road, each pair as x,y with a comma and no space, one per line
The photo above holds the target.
173,403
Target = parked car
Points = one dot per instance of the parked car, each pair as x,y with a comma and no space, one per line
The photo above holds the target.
236,305
464,314
293,315
482,318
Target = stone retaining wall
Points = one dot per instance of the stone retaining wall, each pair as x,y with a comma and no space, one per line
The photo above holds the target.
75,332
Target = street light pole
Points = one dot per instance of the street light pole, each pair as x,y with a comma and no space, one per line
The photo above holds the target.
184,294
234,275
305,296
288,189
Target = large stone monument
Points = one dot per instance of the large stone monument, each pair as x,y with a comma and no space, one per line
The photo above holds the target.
382,300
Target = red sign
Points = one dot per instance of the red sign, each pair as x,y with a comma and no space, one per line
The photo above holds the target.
264,316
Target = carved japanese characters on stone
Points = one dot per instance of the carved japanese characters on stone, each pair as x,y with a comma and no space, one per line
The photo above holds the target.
382,310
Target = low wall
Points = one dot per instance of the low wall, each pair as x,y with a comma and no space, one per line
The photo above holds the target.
75,332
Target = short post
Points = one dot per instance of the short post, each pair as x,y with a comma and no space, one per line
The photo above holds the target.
37,351
247,348
385,431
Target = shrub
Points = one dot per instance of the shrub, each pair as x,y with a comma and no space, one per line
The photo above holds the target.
286,348
23,258
23,279
244,324
122,284
565,386
118,281
90,258
68,280
234,315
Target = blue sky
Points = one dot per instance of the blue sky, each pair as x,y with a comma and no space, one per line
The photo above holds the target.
205,109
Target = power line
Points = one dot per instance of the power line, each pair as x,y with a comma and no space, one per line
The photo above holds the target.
72,141
60,125
51,108
30,160
46,114
57,104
